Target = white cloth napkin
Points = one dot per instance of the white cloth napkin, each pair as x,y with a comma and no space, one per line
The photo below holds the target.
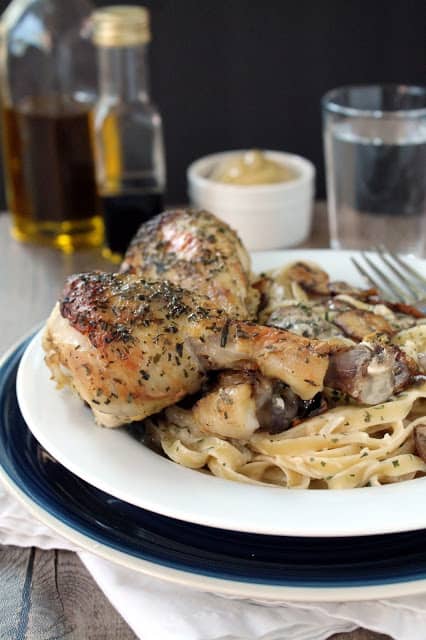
157,609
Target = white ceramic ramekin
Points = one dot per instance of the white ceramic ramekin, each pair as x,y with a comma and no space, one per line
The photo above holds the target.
267,216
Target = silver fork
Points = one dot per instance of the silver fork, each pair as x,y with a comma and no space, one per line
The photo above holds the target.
410,286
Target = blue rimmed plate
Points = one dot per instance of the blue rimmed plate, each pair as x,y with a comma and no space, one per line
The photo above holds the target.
262,567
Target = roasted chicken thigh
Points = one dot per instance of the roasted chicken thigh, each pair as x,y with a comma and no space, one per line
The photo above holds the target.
198,252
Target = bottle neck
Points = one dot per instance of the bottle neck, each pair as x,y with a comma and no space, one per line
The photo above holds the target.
123,73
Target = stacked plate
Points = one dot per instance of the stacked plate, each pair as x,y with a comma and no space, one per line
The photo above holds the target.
108,493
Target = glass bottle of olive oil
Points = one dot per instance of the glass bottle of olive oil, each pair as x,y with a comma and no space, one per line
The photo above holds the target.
48,87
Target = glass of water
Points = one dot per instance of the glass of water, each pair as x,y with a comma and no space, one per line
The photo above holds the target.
375,152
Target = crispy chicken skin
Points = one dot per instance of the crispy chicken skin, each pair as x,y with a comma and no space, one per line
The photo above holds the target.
198,252
131,348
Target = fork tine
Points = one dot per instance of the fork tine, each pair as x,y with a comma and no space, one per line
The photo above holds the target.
364,273
408,268
374,283
397,291
416,292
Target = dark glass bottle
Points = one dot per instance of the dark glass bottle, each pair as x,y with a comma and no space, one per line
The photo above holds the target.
128,128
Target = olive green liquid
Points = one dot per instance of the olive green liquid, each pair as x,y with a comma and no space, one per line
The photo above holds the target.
50,174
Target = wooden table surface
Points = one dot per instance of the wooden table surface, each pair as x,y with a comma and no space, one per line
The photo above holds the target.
49,594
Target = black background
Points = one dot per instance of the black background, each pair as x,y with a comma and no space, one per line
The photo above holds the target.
229,74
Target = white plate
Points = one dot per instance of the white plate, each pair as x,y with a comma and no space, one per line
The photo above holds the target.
113,461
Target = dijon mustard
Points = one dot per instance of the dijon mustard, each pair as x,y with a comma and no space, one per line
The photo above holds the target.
250,168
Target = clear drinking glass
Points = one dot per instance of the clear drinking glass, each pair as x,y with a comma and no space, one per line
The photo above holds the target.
375,152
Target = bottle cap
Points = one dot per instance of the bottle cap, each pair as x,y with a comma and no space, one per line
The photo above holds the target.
121,26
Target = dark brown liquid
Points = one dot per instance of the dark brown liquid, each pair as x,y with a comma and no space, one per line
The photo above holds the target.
124,214
49,162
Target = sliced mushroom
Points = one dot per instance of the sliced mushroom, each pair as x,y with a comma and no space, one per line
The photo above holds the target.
405,309
338,288
420,440
310,277
358,324
311,408
370,373
276,405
